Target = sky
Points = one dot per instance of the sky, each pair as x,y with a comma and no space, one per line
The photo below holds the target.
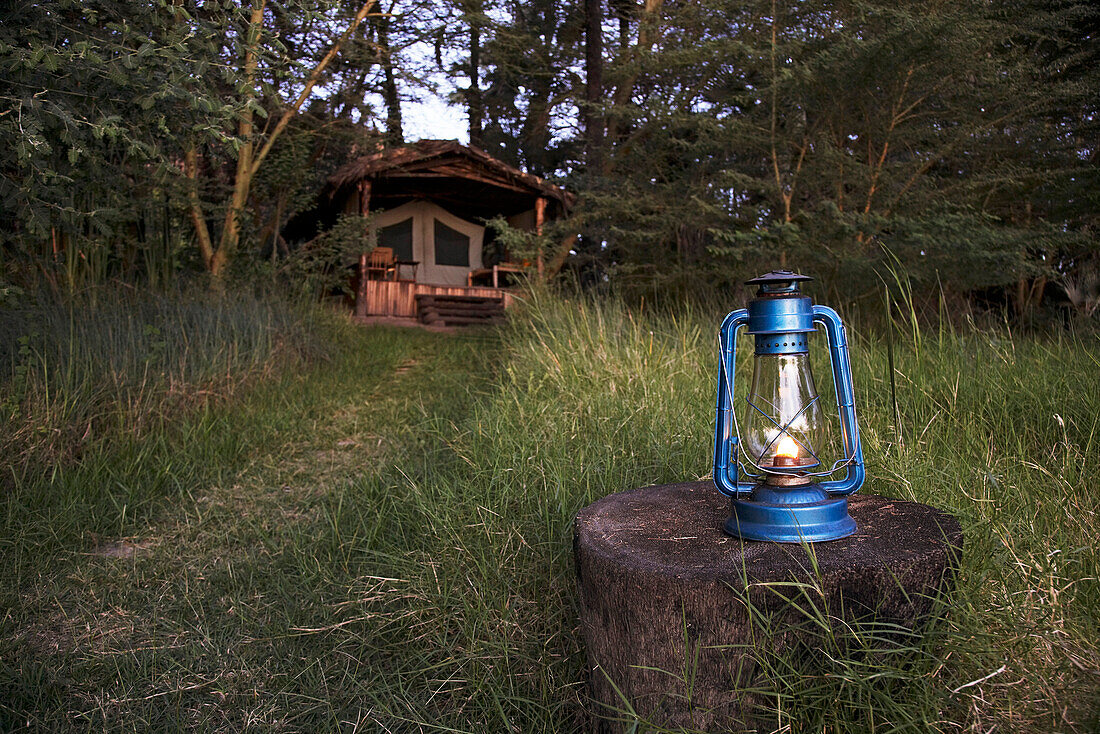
432,118
425,114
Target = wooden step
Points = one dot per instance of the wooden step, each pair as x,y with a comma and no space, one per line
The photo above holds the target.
462,309
447,313
459,310
430,298
431,317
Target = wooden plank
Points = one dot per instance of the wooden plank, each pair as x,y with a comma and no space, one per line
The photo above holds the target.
470,320
452,298
499,183
434,318
408,300
462,308
399,298
465,311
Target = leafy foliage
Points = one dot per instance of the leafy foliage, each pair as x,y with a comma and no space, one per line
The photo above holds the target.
835,137
96,98
130,120
708,140
320,267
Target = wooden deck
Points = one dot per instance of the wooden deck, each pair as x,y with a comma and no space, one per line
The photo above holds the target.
398,298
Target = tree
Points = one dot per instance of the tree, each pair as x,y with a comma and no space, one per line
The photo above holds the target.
953,141
829,136
529,101
472,14
111,102
96,99
593,84
250,148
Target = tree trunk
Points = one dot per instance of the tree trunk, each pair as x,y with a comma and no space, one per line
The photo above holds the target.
248,160
394,133
242,182
271,228
622,10
647,36
1028,296
474,106
194,206
593,84
535,133
679,619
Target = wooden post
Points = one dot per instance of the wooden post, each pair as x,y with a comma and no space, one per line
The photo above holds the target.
361,289
540,217
364,197
680,620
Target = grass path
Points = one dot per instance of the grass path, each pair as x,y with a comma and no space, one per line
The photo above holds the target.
222,611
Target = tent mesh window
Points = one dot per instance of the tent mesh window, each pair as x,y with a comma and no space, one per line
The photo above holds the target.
399,237
451,247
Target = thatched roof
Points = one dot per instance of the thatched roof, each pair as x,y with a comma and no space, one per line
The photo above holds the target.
447,170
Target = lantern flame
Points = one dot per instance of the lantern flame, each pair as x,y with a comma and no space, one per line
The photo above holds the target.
787,447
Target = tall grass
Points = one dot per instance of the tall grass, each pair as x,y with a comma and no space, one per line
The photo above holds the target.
595,397
384,543
73,371
93,389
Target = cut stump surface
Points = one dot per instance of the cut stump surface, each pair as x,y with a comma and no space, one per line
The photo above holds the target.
665,597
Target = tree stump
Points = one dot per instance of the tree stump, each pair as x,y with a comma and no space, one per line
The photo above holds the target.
674,611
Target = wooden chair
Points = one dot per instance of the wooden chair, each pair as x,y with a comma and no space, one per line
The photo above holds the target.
380,265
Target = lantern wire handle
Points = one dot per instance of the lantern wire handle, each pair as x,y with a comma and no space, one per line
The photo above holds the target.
837,465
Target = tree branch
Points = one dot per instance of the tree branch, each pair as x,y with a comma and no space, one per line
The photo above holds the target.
191,171
314,77
242,182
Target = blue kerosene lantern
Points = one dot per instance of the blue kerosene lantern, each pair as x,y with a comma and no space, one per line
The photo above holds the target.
788,496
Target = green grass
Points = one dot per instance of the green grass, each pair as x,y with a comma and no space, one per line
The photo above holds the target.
73,374
373,531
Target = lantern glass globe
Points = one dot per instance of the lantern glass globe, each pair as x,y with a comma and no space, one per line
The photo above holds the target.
783,414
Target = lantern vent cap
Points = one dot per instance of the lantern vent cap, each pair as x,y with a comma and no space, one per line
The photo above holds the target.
779,282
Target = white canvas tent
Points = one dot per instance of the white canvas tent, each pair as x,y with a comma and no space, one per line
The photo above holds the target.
446,247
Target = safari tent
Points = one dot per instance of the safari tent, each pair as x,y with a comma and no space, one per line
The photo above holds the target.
428,204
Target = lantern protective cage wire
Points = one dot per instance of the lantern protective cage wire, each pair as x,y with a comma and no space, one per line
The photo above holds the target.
842,463
784,428
784,315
